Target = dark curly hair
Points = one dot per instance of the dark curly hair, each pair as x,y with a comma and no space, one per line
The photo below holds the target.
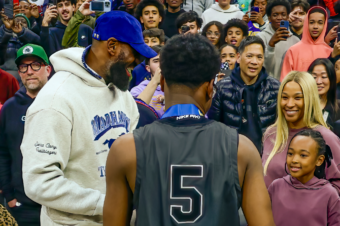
249,41
236,23
272,3
145,3
189,60
219,26
186,17
302,3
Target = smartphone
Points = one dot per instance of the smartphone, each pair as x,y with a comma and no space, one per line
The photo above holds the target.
255,9
100,6
15,2
284,23
185,29
8,8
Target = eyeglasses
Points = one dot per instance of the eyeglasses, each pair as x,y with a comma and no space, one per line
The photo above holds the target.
34,65
216,34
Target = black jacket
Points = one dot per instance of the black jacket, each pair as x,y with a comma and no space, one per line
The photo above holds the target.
51,38
12,121
10,43
227,104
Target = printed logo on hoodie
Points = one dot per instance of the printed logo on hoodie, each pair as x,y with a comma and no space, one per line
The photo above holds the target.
101,125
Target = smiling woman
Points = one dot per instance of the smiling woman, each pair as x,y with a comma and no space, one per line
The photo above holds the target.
324,74
298,108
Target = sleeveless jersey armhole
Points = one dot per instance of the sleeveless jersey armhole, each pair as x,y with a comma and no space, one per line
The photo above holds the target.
138,137
233,146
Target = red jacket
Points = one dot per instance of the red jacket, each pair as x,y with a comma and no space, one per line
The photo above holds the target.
8,86
330,5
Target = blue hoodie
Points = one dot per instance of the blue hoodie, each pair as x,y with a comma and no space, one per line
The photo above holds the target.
12,120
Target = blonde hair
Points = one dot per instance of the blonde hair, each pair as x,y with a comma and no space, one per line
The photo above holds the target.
312,111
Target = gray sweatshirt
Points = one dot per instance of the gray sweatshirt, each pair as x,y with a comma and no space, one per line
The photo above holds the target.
68,133
199,6
273,57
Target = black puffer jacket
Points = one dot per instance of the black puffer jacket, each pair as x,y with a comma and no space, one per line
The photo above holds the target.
227,104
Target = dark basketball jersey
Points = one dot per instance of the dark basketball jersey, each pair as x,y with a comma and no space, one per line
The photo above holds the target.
187,173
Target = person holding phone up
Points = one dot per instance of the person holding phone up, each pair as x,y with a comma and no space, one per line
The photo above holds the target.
277,36
256,17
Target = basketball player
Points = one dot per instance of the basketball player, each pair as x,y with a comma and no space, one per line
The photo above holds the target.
185,169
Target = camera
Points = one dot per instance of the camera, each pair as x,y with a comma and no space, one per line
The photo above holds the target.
100,6
185,29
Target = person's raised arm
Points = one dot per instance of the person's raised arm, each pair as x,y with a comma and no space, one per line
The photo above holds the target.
120,181
147,94
256,203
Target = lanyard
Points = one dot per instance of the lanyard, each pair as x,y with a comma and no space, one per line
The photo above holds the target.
182,109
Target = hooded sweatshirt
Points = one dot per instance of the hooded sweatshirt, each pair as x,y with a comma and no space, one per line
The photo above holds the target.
69,130
315,203
276,168
302,54
274,55
199,6
216,13
12,121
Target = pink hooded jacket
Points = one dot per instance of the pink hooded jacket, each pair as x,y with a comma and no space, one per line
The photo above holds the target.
300,56
315,203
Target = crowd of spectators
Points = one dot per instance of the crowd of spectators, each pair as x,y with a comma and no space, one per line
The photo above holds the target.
279,74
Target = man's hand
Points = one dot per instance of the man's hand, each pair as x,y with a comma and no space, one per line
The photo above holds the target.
292,17
7,22
257,18
332,34
35,10
246,17
157,76
12,203
50,13
281,34
17,27
336,49
85,8
16,8
220,76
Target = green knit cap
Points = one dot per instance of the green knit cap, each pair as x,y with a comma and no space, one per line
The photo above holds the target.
27,20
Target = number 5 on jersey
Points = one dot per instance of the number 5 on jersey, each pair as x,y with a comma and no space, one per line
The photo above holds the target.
180,192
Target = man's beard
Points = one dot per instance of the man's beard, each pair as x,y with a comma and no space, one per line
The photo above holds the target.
118,76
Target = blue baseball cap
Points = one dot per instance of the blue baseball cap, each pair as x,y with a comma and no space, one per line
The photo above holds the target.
123,27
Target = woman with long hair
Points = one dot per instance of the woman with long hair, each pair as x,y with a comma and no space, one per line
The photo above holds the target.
298,108
214,32
323,72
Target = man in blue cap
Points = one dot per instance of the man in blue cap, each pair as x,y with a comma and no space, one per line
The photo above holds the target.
75,119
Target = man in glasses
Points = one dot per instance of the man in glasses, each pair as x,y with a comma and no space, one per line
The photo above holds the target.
34,69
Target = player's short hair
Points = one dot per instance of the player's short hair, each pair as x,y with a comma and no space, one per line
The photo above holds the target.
157,49
145,3
272,3
236,23
186,17
249,41
189,60
155,32
301,3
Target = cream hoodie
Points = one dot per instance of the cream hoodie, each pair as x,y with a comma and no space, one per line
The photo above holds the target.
216,13
68,131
